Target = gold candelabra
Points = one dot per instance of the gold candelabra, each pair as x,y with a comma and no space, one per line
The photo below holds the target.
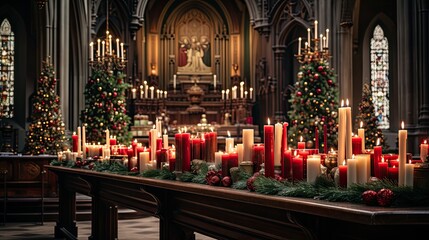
106,55
318,51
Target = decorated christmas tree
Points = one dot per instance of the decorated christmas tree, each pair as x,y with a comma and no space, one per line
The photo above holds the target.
314,103
105,101
369,120
46,131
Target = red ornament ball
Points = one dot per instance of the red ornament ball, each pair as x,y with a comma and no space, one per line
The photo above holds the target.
385,197
318,91
298,94
226,181
209,175
214,181
330,82
369,197
250,183
320,68
316,76
115,94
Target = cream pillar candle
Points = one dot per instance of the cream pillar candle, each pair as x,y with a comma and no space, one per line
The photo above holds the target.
153,137
83,142
107,137
144,161
278,133
165,139
248,141
363,162
229,143
313,168
349,130
240,153
218,158
79,141
351,171
423,151
361,134
341,133
402,135
409,174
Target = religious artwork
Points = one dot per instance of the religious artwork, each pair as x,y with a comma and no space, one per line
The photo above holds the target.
194,54
194,50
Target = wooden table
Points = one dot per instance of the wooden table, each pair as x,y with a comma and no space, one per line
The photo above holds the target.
224,213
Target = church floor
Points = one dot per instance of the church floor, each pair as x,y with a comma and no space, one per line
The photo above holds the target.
129,229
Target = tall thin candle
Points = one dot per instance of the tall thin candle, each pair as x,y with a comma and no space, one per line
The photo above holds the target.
402,135
269,149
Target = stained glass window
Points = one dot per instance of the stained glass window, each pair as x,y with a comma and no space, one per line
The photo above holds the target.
7,48
380,76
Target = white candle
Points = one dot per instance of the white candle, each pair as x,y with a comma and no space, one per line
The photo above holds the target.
79,140
91,51
423,151
146,87
351,171
214,81
240,152
117,47
308,37
315,29
245,94
223,94
278,133
102,48
324,42
151,91
122,51
107,137
133,93
363,163
229,143
153,137
165,94
313,168
241,90
165,139
98,47
409,174
402,135
327,37
144,161
251,93
342,132
110,44
248,141
299,45
234,92
174,81
218,158
349,132
321,42
227,94
361,134
83,142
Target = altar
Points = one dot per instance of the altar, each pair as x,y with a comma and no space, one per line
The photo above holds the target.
223,213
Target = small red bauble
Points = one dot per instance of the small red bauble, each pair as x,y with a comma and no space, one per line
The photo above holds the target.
330,82
299,94
250,183
320,68
369,197
385,197
226,181
214,181
316,76
318,91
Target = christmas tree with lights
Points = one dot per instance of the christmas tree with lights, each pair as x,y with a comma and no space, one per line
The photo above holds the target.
369,120
105,101
314,102
46,132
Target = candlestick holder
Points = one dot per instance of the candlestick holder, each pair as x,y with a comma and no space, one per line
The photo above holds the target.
247,166
317,53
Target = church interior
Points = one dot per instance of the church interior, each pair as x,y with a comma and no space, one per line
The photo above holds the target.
88,80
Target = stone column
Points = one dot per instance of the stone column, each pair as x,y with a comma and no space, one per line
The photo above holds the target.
64,58
279,52
423,55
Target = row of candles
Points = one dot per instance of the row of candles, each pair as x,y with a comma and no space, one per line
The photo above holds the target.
144,92
106,47
244,94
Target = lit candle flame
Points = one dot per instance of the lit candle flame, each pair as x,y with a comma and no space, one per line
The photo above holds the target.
342,102
229,134
154,126
165,131
347,102
361,124
382,159
268,121
402,124
344,162
425,142
378,141
300,139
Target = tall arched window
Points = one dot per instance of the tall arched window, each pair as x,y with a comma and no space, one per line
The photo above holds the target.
379,50
7,48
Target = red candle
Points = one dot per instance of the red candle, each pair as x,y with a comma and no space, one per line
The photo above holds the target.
325,139
208,148
130,153
382,169
225,164
178,160
301,144
394,163
139,149
356,145
297,168
112,141
287,164
172,164
284,137
233,160
196,148
158,143
269,149
377,159
393,173
134,146
343,175
186,152
258,157
304,156
161,157
75,141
